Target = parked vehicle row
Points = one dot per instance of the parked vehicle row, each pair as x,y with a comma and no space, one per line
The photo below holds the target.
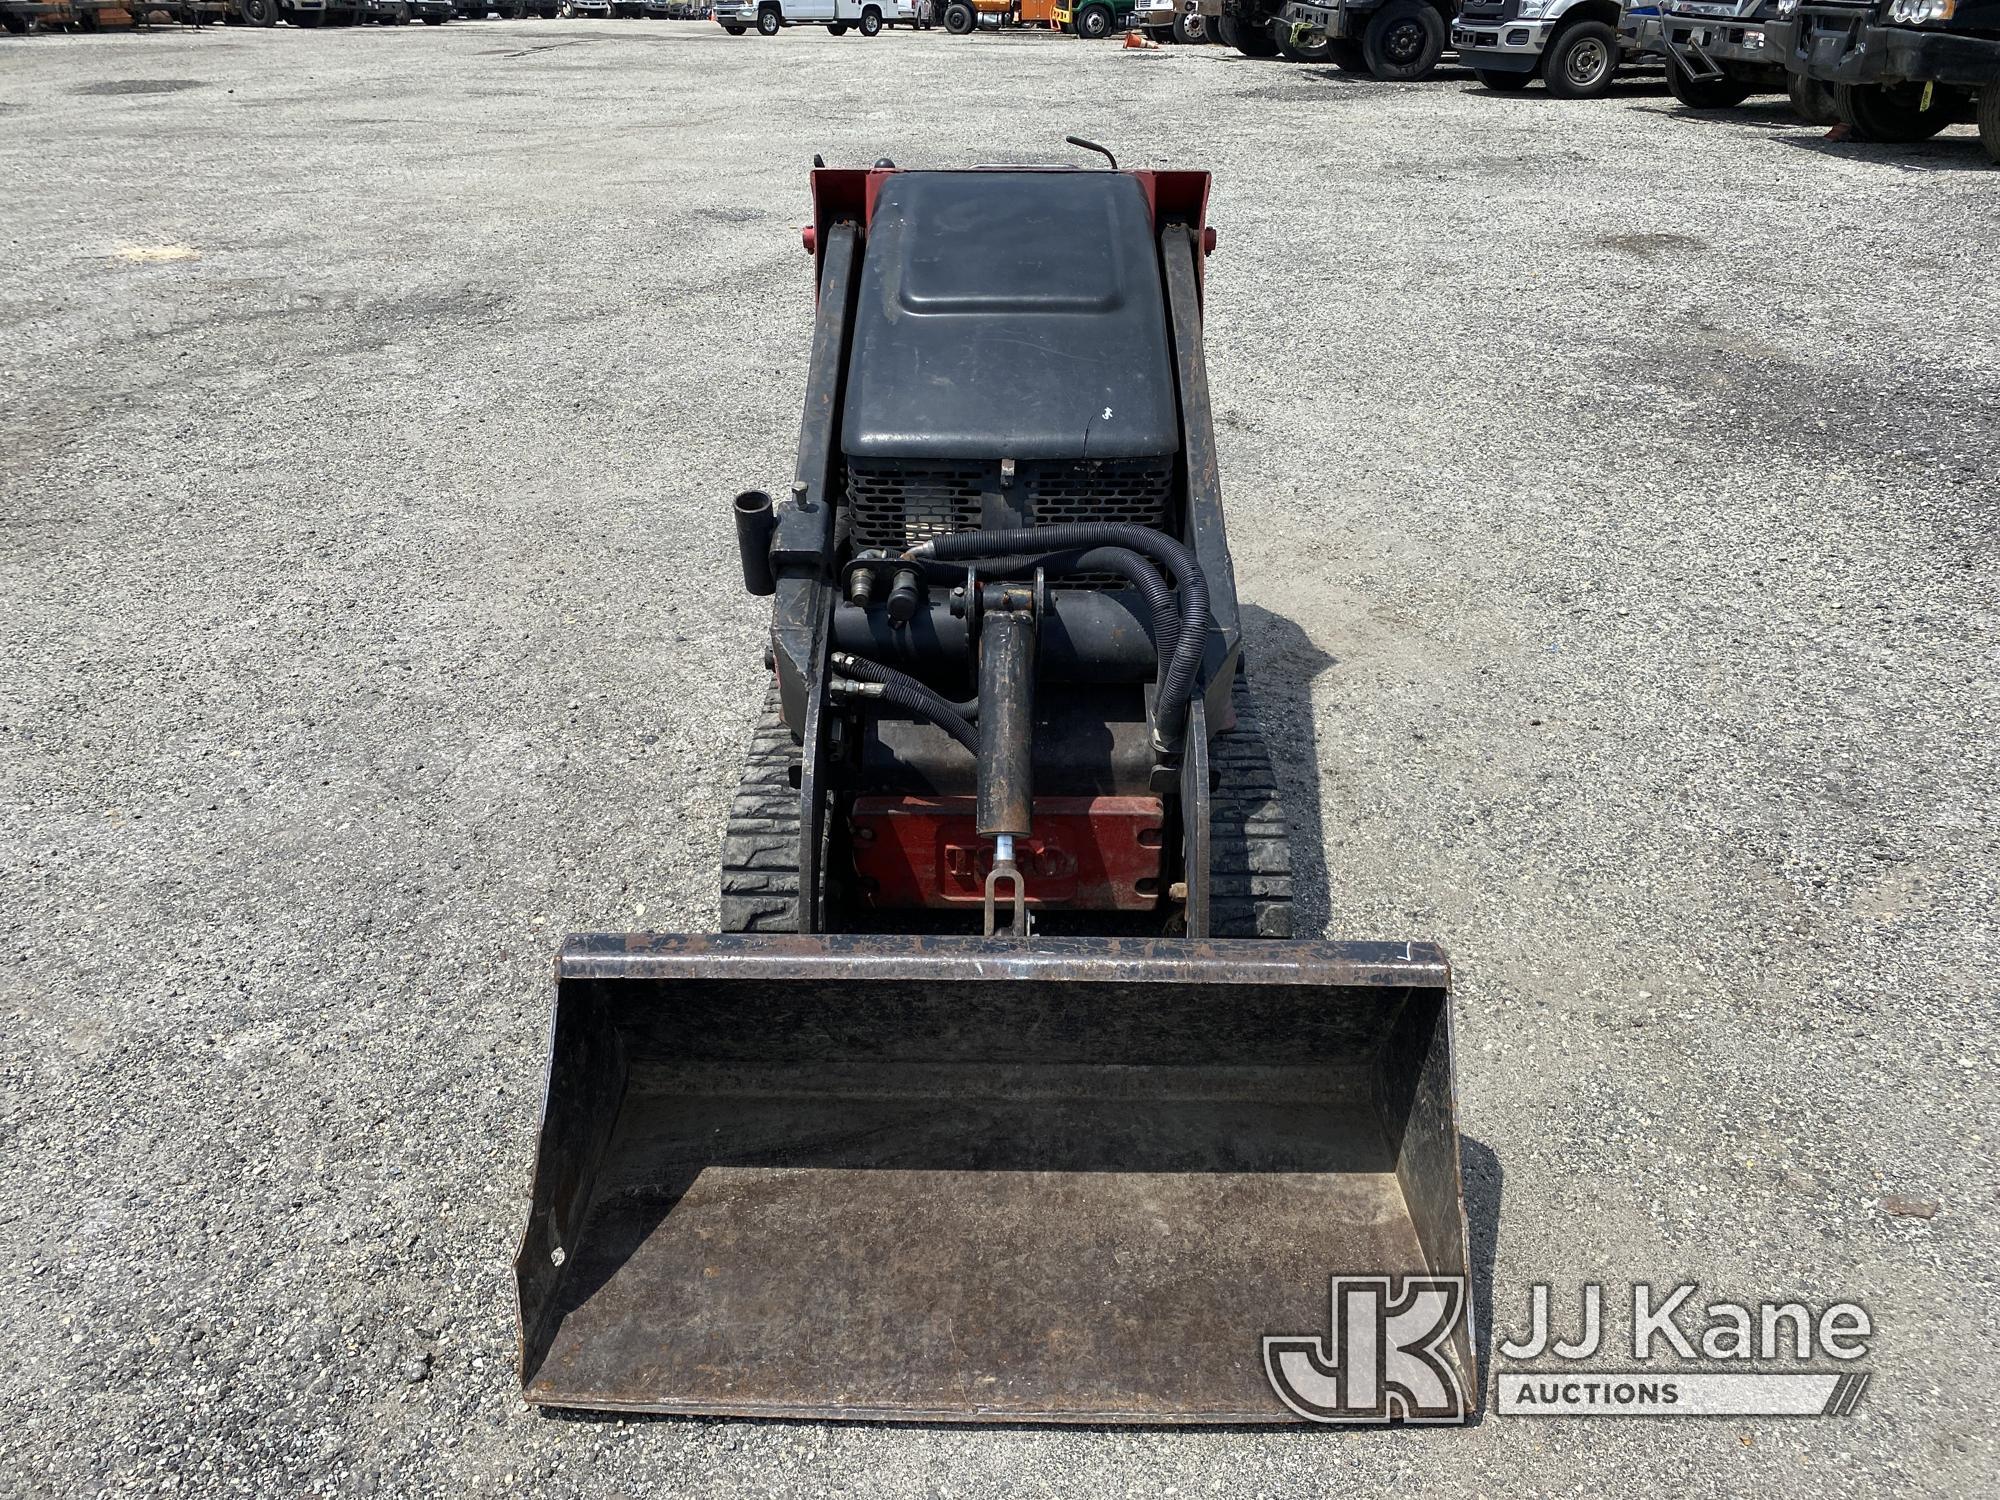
1084,18
1886,70
1891,71
18,16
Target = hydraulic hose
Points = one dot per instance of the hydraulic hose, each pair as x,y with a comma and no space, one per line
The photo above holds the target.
1143,576
910,695
1191,636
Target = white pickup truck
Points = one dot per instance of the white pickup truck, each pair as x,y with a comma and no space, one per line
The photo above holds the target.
772,16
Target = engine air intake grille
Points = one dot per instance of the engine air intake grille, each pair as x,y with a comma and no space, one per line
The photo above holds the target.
894,505
897,505
1132,491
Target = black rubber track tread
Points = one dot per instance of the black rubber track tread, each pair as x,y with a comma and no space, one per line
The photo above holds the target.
760,850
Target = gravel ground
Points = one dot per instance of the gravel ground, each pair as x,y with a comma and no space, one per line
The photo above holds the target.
1611,490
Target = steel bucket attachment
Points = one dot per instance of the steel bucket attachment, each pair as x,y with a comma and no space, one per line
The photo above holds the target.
959,1179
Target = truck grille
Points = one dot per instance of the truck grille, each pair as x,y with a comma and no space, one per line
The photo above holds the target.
894,505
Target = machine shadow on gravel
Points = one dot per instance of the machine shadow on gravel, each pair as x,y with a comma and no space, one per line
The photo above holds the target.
1634,86
1443,73
1771,115
1939,154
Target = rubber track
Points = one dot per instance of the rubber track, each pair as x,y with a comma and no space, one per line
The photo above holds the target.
760,850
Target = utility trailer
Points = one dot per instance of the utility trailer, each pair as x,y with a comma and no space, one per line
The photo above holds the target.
963,17
1899,71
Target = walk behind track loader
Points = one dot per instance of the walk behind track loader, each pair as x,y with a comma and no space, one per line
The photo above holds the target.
1006,1093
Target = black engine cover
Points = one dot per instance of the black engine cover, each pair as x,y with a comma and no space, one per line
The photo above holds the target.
1010,315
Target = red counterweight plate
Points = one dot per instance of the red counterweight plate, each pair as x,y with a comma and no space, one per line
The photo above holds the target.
1086,853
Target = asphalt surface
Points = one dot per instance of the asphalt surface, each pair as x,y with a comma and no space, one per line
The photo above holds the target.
1611,491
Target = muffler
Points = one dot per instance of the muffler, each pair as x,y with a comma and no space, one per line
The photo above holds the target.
952,1178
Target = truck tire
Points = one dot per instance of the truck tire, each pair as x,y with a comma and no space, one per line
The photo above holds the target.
1248,40
256,12
871,22
1346,54
1305,52
837,28
1190,28
1891,114
736,30
1988,115
1496,82
1094,21
1403,42
959,19
769,21
1582,61
1691,92
1812,100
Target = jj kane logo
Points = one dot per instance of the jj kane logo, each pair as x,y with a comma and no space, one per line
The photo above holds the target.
1386,1354
1396,1348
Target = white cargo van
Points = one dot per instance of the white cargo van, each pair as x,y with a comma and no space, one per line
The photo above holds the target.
772,16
